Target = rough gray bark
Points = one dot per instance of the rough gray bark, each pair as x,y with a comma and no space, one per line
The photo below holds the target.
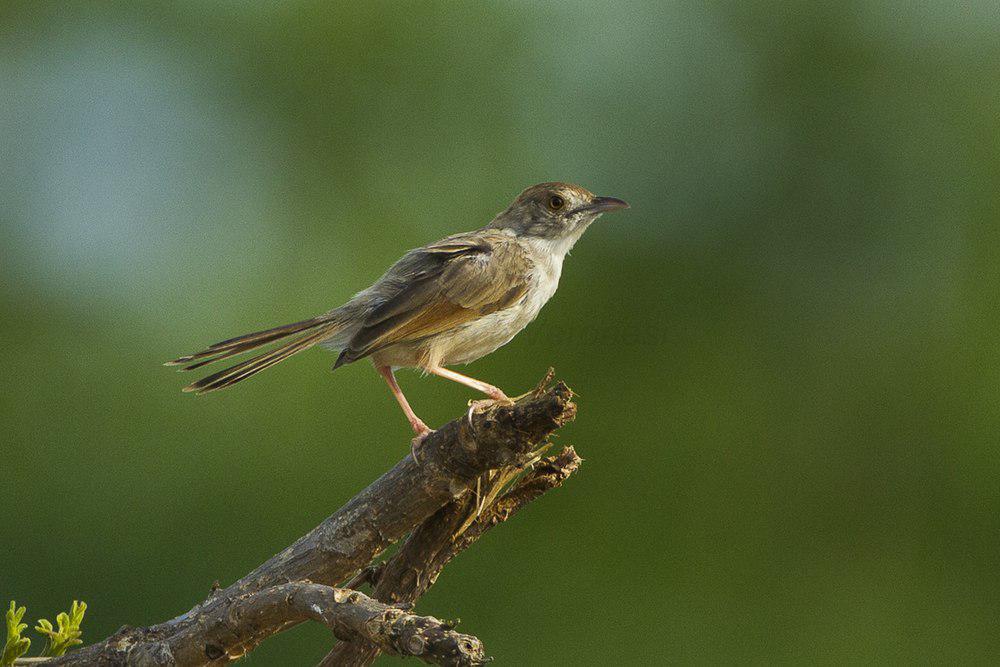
416,566
451,460
230,631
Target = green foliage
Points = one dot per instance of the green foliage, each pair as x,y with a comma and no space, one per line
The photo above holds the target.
16,645
60,639
68,634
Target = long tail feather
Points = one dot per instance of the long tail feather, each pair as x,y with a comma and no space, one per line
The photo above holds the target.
316,330
245,342
233,351
250,367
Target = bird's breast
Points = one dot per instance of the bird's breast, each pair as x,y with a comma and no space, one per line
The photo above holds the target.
485,334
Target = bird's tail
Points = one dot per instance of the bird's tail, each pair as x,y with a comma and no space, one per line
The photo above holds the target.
313,331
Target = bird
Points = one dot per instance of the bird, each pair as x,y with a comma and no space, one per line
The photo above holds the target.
449,302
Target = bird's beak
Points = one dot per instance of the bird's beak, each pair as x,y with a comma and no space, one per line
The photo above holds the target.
603,204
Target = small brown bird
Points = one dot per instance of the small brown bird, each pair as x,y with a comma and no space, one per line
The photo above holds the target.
449,302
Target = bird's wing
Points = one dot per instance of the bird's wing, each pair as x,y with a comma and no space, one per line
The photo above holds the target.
443,285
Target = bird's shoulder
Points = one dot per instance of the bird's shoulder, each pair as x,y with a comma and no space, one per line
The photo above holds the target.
464,255
485,241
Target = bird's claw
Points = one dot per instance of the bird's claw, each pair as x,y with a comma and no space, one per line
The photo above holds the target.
416,442
497,396
482,404
479,405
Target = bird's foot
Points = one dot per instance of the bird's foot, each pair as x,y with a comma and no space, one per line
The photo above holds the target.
475,405
482,404
498,396
417,441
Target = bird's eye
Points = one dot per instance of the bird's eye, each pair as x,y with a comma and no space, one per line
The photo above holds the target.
556,202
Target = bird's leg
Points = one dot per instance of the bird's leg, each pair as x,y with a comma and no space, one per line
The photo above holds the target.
493,392
419,427
478,385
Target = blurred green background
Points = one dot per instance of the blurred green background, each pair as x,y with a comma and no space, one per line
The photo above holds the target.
785,351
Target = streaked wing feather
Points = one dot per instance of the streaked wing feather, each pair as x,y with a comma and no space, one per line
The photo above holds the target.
465,278
483,282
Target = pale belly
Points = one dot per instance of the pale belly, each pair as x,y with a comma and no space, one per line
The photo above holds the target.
479,338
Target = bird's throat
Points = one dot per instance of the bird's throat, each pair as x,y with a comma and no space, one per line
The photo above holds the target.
556,248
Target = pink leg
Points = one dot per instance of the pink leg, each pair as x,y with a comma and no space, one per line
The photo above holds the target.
419,427
488,389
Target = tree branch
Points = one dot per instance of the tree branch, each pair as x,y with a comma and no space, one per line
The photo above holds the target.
414,569
451,460
234,629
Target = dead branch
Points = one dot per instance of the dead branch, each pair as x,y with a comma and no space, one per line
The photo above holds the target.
232,630
416,566
452,459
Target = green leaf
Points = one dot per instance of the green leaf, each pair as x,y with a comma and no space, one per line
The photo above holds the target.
68,633
15,646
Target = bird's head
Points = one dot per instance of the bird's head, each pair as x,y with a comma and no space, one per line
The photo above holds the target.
554,212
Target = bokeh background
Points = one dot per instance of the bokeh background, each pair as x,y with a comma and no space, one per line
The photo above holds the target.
786,351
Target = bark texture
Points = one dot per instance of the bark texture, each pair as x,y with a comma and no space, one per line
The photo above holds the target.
230,631
485,448
452,529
